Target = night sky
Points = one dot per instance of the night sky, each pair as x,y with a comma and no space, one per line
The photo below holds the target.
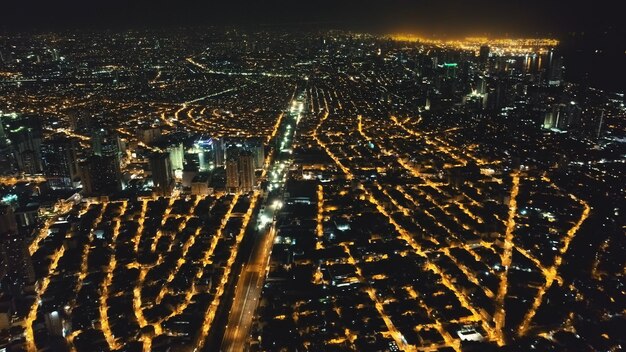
441,17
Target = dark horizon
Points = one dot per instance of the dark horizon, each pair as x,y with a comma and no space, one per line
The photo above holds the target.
453,17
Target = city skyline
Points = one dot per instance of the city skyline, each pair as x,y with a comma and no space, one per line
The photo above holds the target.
245,187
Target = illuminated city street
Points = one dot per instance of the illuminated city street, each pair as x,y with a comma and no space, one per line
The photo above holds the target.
252,276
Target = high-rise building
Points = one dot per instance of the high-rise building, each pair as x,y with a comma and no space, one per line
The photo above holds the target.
105,143
205,149
551,118
6,57
162,174
24,132
3,136
100,175
27,217
200,184
568,116
56,55
258,150
177,156
60,160
237,144
239,170
149,134
8,224
18,267
204,160
82,121
246,171
108,146
481,85
232,175
6,154
450,69
218,147
483,55
29,162
97,138
555,68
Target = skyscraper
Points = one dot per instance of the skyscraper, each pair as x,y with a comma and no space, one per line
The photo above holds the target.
258,150
6,155
205,148
25,135
3,135
97,138
551,118
232,175
204,157
18,267
200,184
162,174
568,115
104,143
555,68
239,170
8,224
246,171
149,134
82,121
59,155
100,175
484,54
218,147
177,155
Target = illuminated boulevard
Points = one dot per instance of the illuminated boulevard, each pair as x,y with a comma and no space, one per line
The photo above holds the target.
247,293
254,269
